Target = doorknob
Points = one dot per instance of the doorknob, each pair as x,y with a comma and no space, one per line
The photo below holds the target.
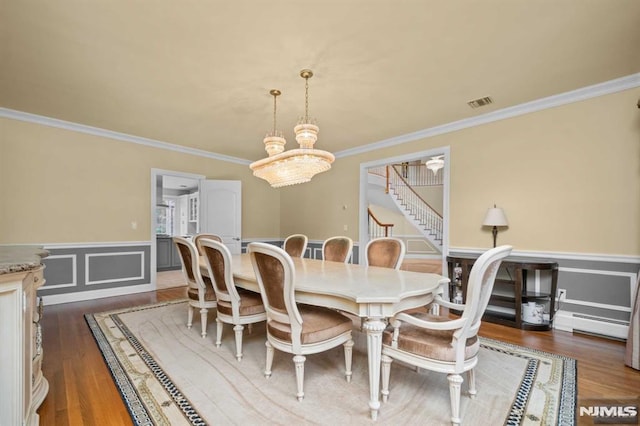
237,239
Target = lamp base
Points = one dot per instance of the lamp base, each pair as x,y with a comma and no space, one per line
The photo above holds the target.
495,235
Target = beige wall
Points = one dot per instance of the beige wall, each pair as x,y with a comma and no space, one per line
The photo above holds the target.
567,177
60,186
401,226
322,207
433,195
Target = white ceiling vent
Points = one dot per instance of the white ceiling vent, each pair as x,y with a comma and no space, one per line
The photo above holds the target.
477,103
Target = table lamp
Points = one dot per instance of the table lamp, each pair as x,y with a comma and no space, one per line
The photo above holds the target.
495,217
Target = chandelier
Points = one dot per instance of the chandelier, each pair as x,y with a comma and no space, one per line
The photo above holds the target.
283,168
436,163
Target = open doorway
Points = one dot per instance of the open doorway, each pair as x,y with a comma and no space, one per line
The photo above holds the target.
440,246
174,211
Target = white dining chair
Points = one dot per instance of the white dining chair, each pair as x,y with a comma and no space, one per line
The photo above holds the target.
235,306
200,290
445,344
294,328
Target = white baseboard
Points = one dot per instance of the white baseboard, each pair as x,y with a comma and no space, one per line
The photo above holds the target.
569,321
56,299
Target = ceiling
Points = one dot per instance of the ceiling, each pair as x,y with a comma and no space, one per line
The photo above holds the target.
198,73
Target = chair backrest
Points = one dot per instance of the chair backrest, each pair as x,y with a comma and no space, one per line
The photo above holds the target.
387,252
337,249
295,245
275,273
479,288
218,260
198,237
189,259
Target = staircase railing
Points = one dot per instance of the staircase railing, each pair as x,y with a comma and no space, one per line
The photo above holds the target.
414,174
424,214
378,229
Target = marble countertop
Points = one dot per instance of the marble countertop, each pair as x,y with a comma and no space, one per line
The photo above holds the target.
20,258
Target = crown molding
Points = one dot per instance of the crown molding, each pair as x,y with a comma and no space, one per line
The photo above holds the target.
110,134
601,89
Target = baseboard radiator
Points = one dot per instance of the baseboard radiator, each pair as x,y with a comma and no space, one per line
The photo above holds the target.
575,322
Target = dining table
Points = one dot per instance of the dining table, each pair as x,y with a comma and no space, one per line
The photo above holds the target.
372,293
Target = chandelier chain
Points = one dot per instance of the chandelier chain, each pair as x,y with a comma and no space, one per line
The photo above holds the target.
274,114
306,99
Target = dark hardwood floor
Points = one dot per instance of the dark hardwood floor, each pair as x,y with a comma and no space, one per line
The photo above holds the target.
82,391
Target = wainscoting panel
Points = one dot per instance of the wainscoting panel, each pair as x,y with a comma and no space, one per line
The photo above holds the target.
77,272
114,267
587,294
599,290
314,248
85,271
314,251
61,271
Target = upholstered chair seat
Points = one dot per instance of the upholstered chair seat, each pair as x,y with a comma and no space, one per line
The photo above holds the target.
434,344
318,324
337,249
235,306
296,329
251,304
444,344
209,294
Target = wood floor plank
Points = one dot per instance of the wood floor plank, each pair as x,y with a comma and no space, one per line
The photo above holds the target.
82,391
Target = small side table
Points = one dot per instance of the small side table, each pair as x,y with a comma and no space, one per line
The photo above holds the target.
509,294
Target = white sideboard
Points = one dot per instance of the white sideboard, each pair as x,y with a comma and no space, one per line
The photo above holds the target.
22,385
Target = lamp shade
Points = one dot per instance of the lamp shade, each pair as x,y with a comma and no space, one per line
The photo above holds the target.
495,217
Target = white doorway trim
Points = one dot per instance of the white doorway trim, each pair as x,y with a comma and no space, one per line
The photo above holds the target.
363,229
154,188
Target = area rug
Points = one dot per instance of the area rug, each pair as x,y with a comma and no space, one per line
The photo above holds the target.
168,374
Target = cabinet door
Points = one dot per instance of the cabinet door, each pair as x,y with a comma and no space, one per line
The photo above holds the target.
193,207
183,215
163,252
175,257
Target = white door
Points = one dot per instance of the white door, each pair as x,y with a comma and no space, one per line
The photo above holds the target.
221,211
183,202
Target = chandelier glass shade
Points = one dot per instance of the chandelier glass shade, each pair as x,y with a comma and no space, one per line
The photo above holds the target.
283,168
435,164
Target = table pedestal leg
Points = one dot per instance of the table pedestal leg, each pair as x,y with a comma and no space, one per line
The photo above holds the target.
374,328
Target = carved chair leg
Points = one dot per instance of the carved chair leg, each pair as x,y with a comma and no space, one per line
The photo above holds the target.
190,316
267,369
386,372
455,382
434,309
219,326
238,329
471,377
348,356
203,321
299,360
